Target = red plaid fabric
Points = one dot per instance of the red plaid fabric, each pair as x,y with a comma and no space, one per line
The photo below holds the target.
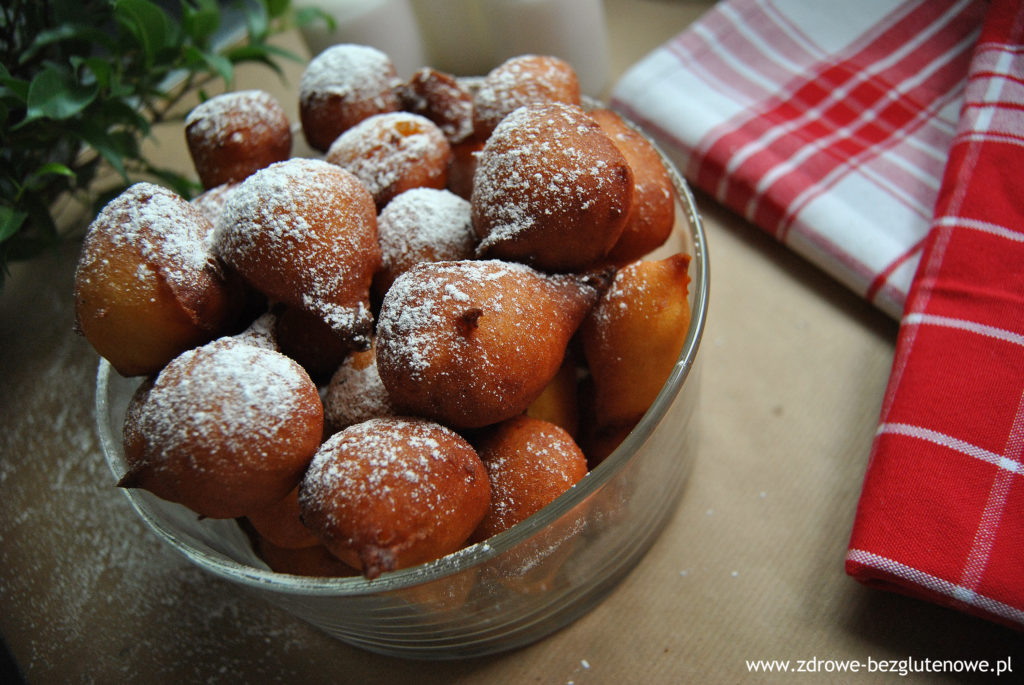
827,124
941,514
885,142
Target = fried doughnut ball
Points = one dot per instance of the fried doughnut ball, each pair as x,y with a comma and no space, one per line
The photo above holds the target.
443,99
422,225
520,81
463,166
471,343
340,87
633,337
394,152
280,523
529,463
309,340
550,189
304,232
652,214
558,403
211,202
355,393
234,134
147,285
227,429
315,561
390,493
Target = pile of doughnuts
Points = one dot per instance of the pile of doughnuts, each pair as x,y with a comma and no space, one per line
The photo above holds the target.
408,342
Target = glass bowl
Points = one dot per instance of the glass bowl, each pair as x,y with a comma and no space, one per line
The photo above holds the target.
493,596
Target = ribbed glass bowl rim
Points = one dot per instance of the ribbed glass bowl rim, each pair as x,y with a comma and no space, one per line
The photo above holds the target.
478,553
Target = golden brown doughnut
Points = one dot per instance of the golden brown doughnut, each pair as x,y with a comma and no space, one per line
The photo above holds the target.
633,337
211,202
393,152
280,523
355,392
233,134
227,429
147,285
390,493
652,214
470,343
529,463
422,225
340,87
520,81
315,561
443,99
550,189
304,232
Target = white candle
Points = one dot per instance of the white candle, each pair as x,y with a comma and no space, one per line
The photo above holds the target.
574,30
455,36
388,25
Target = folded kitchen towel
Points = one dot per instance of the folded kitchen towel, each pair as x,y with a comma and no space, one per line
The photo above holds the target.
825,123
885,142
941,514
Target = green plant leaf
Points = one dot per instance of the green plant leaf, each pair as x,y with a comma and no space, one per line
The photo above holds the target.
55,94
66,32
148,23
200,21
218,63
11,221
41,176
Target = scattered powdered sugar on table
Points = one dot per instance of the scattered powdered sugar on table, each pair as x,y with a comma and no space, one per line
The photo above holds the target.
76,559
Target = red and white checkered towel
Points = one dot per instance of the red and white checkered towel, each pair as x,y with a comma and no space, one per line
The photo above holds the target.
885,142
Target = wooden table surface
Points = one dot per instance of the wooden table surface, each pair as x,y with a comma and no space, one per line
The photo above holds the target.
750,568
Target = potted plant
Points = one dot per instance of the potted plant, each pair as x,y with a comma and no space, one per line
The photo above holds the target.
82,83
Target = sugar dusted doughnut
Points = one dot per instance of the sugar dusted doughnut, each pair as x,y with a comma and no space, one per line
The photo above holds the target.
633,337
309,340
529,463
315,561
355,392
211,201
147,285
443,99
422,225
233,134
470,343
652,213
227,429
520,81
550,189
280,523
304,232
340,87
390,493
394,152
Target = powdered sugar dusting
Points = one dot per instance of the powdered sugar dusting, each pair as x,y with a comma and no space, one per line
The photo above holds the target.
425,223
524,80
171,237
235,115
352,72
535,166
225,393
310,226
356,393
383,149
377,460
